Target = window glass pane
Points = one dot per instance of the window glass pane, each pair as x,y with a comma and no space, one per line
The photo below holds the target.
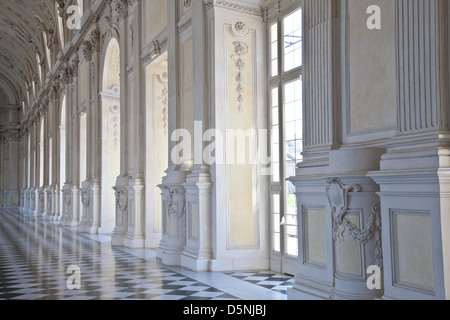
291,241
275,142
274,49
299,150
275,97
293,40
274,116
290,131
274,67
290,114
275,132
298,129
289,93
294,146
291,165
276,223
291,220
274,32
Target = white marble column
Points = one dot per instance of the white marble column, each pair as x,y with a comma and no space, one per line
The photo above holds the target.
66,188
32,166
55,97
48,156
40,193
173,216
10,199
86,213
121,191
25,171
135,236
72,190
92,198
198,250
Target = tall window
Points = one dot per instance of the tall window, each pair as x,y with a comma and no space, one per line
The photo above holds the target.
286,44
47,50
41,155
39,68
81,6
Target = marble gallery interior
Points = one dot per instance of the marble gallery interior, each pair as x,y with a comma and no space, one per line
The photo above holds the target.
224,150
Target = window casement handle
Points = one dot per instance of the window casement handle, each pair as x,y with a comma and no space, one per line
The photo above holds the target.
284,224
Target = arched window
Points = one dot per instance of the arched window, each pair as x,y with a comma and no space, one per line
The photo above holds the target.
41,154
81,6
60,27
47,50
62,149
39,68
29,161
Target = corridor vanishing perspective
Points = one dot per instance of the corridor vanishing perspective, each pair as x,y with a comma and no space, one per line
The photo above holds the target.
224,149
36,259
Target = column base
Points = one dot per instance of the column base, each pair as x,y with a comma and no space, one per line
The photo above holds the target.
304,289
117,240
134,242
195,264
73,224
92,230
153,241
172,259
83,227
105,230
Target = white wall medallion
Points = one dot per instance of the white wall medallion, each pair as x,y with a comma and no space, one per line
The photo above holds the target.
240,50
338,197
240,28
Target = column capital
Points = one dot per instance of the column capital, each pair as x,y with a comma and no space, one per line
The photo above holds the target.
121,7
95,40
67,75
87,50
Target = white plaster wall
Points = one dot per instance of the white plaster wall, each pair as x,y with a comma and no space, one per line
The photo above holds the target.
372,75
316,239
414,252
155,18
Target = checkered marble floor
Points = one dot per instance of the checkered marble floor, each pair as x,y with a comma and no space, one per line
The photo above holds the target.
35,256
266,279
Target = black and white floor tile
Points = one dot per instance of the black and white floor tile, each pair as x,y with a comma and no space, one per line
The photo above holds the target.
266,279
35,256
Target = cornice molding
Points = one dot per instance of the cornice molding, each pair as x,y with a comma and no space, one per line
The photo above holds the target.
185,22
235,5
274,8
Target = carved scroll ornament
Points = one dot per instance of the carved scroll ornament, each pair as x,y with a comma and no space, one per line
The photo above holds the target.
177,211
338,197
